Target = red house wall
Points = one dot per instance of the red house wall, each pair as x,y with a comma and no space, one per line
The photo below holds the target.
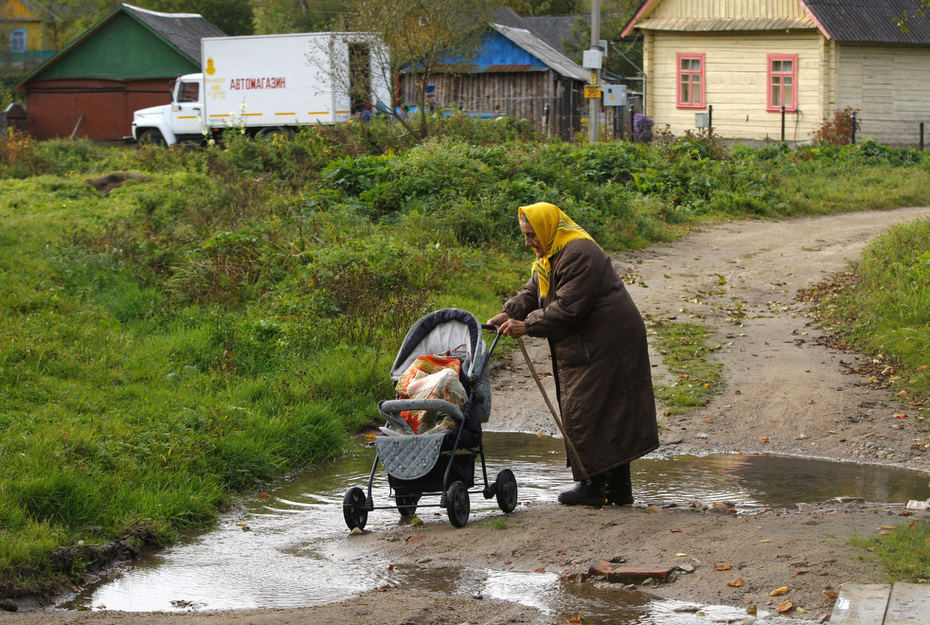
98,109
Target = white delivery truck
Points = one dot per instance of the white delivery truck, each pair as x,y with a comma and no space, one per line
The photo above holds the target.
270,83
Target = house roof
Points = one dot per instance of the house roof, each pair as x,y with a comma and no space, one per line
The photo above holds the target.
869,21
850,21
553,29
179,34
182,30
552,58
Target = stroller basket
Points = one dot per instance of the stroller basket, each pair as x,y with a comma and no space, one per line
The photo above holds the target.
438,462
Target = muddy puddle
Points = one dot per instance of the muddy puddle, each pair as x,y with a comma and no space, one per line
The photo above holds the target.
282,549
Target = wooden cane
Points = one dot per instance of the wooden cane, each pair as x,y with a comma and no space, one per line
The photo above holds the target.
558,422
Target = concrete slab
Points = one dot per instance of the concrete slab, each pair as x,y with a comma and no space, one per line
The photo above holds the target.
861,604
909,605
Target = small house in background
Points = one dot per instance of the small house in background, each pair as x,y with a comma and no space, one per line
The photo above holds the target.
515,74
747,59
125,62
24,41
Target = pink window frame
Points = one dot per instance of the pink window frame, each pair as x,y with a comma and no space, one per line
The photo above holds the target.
678,74
794,81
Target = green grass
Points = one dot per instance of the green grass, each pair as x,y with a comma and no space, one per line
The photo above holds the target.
883,307
230,318
904,553
688,357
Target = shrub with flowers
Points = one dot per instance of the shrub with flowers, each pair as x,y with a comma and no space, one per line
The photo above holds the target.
642,127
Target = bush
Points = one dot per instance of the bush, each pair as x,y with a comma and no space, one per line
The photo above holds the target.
839,130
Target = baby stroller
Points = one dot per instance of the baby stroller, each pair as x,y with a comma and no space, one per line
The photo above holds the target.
436,462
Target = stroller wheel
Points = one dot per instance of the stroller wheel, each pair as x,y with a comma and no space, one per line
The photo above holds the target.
505,488
353,508
407,504
457,504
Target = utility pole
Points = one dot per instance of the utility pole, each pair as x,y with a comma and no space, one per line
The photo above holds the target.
593,63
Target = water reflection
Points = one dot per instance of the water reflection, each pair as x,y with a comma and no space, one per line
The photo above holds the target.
276,552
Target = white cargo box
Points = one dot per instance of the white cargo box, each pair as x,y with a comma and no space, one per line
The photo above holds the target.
288,80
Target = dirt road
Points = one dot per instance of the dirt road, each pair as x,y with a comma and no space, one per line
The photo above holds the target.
785,394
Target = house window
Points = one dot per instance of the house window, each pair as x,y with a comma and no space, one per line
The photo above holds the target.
783,82
18,40
690,80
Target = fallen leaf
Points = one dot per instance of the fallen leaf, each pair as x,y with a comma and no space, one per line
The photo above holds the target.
778,592
831,593
900,416
723,566
264,495
736,583
764,439
785,607
574,619
541,569
676,531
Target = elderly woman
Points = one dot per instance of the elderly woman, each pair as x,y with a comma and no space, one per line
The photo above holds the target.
597,338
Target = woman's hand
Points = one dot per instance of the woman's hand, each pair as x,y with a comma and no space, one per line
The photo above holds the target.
498,319
513,327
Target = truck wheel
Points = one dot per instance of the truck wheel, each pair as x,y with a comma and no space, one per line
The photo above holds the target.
268,134
151,136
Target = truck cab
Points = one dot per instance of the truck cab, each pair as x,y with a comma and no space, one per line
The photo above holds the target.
182,120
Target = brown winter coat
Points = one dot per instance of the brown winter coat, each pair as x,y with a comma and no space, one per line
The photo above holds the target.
599,356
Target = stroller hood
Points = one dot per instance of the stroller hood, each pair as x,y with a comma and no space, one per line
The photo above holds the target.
445,330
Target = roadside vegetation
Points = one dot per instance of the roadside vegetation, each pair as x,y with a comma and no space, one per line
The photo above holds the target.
181,326
881,307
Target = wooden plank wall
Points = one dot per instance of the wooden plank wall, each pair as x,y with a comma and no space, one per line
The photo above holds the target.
522,95
889,89
738,9
736,83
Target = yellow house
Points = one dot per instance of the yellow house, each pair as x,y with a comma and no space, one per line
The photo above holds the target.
22,35
739,62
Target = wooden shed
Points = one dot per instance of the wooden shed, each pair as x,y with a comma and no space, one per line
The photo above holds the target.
515,74
124,63
748,58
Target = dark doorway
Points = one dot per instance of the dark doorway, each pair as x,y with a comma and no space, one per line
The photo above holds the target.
359,76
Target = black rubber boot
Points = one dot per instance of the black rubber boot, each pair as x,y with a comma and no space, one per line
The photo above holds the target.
590,493
619,489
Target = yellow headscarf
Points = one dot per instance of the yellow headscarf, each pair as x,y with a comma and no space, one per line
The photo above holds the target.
554,229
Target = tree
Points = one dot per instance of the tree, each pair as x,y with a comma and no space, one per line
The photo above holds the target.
63,20
420,36
904,22
297,16
544,7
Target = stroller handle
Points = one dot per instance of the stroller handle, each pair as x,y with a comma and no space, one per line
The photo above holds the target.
394,407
